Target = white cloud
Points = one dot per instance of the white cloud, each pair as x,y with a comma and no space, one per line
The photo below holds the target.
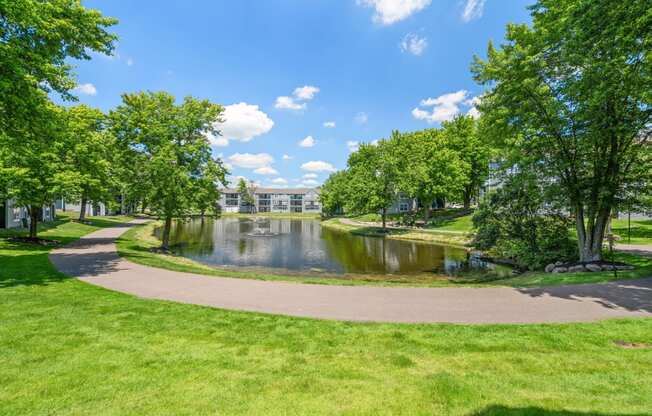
85,89
219,141
130,61
318,166
305,93
243,122
353,145
444,107
287,157
309,183
288,103
250,161
279,181
413,44
266,170
329,124
361,118
473,9
473,112
309,141
392,11
310,176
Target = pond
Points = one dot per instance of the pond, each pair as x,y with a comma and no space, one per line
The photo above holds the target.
303,246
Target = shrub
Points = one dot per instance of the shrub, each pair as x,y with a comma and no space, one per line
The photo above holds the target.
518,224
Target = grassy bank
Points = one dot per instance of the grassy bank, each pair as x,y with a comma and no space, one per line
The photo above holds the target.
136,243
639,233
70,348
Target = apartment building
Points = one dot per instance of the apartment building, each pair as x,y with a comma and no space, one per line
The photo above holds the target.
296,200
14,216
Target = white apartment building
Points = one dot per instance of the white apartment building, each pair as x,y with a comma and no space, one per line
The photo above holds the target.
297,200
14,216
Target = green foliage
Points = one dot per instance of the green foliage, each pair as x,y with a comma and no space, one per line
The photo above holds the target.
373,179
571,97
462,136
246,194
515,223
333,193
170,143
37,38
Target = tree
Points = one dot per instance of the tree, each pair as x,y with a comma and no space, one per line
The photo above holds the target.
37,39
176,154
333,193
461,135
571,96
33,171
429,167
373,173
207,193
246,193
88,151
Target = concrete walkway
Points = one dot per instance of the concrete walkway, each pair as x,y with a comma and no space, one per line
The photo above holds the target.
93,259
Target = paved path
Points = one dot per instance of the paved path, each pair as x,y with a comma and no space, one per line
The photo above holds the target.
94,259
644,250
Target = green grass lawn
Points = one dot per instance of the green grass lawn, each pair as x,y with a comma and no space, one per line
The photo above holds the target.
641,231
69,348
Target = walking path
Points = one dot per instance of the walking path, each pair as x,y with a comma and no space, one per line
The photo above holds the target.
94,259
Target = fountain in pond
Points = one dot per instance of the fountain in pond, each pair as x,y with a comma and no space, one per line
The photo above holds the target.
259,231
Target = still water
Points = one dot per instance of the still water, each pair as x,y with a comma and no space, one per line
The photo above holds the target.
304,246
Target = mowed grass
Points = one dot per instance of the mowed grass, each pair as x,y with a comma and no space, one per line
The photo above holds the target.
639,233
69,348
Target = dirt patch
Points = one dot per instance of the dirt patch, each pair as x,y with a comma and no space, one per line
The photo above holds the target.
632,345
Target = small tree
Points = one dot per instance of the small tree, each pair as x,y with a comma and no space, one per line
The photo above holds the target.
373,179
461,135
88,152
246,193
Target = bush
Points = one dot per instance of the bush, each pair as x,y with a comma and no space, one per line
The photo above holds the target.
518,224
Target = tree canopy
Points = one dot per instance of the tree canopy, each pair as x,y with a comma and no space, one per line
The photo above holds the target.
572,97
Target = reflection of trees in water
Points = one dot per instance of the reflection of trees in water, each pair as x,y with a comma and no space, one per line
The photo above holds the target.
303,245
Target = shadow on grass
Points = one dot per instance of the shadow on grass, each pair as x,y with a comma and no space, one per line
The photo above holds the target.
498,410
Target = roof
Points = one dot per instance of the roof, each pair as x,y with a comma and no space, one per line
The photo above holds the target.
292,191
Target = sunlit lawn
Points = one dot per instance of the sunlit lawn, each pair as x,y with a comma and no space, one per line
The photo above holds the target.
71,348
639,233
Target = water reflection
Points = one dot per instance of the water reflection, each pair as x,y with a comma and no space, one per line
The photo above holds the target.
302,245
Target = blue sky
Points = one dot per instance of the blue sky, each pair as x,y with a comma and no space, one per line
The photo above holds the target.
303,81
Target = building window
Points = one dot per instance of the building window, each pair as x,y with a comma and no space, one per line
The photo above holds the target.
403,207
312,206
16,214
232,200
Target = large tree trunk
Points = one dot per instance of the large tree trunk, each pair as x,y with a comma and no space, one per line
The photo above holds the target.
467,194
34,213
82,212
384,215
166,233
590,234
426,212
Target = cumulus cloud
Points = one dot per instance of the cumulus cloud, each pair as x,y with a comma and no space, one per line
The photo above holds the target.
361,118
353,145
266,170
250,160
318,166
297,101
309,183
309,141
310,176
388,12
473,9
219,141
130,61
306,93
243,122
85,89
329,124
414,44
444,107
279,181
287,157
288,103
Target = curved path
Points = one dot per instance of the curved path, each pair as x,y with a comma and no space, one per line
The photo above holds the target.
94,259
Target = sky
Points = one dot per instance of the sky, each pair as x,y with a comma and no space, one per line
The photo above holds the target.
303,82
